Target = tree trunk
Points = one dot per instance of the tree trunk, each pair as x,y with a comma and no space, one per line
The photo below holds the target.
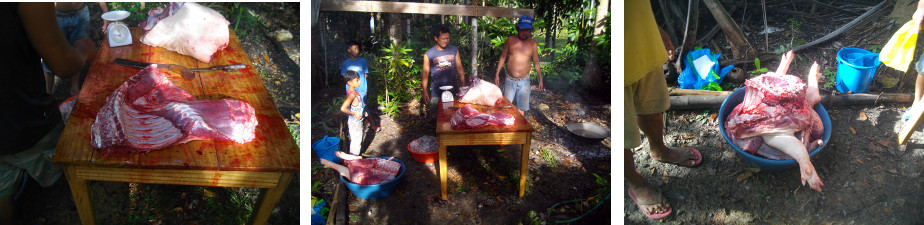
741,48
689,38
395,30
592,79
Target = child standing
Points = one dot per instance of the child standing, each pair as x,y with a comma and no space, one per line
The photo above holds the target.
353,106
358,65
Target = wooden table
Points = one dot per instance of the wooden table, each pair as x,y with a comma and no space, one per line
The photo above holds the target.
268,162
519,133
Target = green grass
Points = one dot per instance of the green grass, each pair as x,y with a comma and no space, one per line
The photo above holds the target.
548,156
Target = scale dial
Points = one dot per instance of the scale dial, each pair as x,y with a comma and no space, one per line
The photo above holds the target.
119,35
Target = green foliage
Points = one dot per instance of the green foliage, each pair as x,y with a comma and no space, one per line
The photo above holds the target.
294,130
396,73
831,78
605,189
138,11
548,156
759,69
533,218
875,48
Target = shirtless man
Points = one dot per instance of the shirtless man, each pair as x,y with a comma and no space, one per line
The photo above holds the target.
520,49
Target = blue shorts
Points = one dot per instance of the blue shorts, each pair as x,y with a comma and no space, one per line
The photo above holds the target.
74,28
517,92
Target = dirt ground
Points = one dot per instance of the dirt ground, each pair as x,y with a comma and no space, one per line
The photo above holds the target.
483,180
868,178
128,203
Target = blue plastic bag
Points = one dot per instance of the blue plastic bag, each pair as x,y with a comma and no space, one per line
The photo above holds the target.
316,217
691,79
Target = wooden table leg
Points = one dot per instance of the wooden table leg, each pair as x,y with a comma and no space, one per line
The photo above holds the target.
524,163
443,174
81,195
268,199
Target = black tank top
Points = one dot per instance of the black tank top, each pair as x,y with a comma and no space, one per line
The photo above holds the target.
443,69
27,113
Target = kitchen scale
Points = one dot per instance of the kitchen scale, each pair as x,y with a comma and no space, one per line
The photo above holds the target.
447,96
117,31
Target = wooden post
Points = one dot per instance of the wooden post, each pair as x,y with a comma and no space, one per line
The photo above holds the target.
741,48
689,37
474,71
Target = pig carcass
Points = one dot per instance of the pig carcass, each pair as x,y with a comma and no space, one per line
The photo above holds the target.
777,119
148,112
194,30
481,92
372,170
468,118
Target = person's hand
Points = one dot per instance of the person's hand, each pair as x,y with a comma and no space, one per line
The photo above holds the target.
105,26
540,85
426,97
496,81
670,55
357,115
86,48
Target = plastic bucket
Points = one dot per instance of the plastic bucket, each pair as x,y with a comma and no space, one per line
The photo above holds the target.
375,191
423,157
765,164
325,146
855,73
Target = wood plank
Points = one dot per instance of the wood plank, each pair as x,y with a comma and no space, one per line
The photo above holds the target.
524,163
916,111
511,138
424,8
81,195
273,148
268,199
443,175
181,177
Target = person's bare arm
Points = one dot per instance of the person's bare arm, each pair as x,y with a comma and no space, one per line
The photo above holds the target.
345,108
105,9
424,76
500,64
537,65
64,60
460,70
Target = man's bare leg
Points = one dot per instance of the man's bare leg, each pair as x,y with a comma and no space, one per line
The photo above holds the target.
641,187
653,126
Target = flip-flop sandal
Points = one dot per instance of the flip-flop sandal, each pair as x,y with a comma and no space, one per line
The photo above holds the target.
699,158
654,216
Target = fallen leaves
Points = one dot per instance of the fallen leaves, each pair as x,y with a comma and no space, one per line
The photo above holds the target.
862,115
712,117
861,161
852,131
748,172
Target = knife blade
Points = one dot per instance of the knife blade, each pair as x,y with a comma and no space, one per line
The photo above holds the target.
136,64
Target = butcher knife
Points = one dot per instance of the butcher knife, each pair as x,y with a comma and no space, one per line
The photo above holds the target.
186,72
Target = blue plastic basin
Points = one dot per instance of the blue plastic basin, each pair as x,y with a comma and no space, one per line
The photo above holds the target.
375,191
765,164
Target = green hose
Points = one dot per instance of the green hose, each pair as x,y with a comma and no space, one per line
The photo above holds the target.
579,217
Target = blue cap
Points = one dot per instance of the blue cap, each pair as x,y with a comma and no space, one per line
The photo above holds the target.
525,22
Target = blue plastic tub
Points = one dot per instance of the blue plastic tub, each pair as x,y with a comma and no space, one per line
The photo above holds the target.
375,191
763,163
325,148
855,72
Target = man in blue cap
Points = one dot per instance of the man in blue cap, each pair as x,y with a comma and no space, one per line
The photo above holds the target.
520,50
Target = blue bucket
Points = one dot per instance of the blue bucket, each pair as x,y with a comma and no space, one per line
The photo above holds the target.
854,71
765,164
375,191
326,147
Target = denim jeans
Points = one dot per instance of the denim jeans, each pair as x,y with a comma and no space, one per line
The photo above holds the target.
517,92
74,28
